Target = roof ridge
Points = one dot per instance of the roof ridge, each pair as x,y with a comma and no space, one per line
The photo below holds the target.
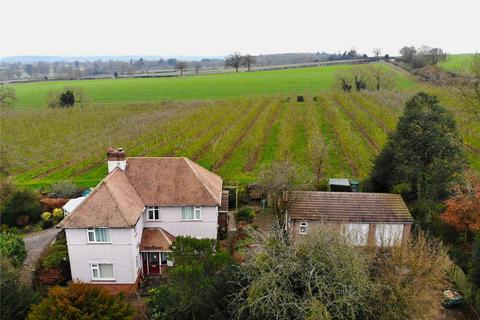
116,203
198,177
165,236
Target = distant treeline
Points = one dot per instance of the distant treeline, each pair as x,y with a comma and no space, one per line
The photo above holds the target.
69,70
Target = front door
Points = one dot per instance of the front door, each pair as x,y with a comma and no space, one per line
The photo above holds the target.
154,263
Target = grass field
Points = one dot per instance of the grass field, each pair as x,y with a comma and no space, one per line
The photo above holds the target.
457,63
235,138
214,86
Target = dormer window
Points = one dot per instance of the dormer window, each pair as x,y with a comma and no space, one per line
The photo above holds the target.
153,213
191,213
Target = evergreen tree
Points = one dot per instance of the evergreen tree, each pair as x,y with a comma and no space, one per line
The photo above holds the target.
424,153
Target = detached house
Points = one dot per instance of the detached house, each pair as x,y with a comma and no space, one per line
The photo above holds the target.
123,229
373,219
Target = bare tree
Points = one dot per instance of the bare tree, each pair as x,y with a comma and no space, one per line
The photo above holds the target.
360,77
343,80
181,65
432,55
278,180
377,52
380,77
234,61
197,66
248,61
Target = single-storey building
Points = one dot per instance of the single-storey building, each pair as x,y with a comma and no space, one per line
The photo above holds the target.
373,219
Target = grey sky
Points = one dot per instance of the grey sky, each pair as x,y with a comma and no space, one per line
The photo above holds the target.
218,27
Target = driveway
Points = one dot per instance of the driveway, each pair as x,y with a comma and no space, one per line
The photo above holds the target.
35,243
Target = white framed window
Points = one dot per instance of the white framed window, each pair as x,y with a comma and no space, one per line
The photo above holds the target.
102,271
153,213
357,233
303,228
388,234
191,213
98,235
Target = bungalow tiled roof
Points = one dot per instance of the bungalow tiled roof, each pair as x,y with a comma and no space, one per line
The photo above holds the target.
119,199
348,207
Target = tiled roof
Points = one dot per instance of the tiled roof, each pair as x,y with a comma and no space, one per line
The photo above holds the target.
348,207
173,181
113,203
156,239
119,199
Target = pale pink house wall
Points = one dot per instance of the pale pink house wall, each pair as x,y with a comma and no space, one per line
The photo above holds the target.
171,221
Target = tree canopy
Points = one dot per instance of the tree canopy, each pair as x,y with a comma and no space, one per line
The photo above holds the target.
424,154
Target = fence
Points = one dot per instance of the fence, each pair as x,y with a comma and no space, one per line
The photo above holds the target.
465,286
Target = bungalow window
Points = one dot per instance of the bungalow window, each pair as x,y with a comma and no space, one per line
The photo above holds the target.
191,213
102,271
98,235
303,228
153,213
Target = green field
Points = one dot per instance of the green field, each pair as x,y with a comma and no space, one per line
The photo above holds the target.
457,63
233,136
214,86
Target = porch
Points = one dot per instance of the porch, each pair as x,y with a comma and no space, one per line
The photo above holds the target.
154,250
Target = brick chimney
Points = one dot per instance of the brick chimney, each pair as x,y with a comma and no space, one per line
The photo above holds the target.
116,158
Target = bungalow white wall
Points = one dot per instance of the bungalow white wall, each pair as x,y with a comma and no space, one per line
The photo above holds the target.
120,253
171,221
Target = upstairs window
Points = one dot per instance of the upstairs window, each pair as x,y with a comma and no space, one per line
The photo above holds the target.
191,213
98,235
153,213
303,228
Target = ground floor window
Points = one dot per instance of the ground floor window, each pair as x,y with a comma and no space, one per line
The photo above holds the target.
102,271
303,228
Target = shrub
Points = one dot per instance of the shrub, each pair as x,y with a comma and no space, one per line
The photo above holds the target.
46,216
67,97
21,203
53,267
15,298
246,214
57,215
12,247
82,301
197,285
66,189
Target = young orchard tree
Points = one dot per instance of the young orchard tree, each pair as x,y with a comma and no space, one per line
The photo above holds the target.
380,77
248,61
181,65
234,60
424,153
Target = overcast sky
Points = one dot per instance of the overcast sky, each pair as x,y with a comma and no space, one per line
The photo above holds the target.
218,27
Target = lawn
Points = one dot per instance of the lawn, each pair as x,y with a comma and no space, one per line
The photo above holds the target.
457,63
198,87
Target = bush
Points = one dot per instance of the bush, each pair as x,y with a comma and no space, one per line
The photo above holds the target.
246,214
82,301
196,287
53,266
15,298
20,208
66,189
67,98
12,247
